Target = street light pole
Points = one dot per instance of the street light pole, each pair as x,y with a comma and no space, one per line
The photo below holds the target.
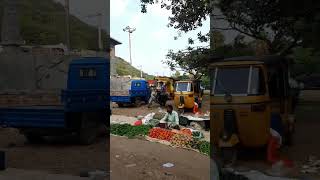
99,31
67,9
129,30
140,71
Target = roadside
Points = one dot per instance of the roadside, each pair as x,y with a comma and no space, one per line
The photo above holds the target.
142,160
59,156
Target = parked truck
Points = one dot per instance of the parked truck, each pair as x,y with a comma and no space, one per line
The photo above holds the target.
83,111
130,91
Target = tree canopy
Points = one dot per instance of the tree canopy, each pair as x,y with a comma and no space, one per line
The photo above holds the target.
276,27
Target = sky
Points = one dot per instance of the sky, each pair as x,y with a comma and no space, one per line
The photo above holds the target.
152,38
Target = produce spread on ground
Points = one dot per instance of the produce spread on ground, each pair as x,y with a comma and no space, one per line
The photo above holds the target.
183,138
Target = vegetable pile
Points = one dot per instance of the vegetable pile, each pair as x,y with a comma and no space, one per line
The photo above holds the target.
161,134
128,130
204,147
182,140
186,131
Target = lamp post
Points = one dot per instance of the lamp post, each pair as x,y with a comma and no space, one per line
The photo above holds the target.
140,71
67,10
129,30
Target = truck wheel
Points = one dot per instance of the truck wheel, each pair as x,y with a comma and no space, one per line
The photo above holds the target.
89,129
137,102
120,104
34,139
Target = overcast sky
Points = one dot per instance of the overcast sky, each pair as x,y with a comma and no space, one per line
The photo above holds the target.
152,38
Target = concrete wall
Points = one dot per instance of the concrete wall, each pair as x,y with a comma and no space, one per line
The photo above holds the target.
16,70
27,79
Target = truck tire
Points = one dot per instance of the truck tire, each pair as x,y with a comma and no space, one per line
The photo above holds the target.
120,104
89,128
33,138
137,102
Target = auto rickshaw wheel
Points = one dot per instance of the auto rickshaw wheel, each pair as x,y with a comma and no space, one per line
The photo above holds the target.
228,155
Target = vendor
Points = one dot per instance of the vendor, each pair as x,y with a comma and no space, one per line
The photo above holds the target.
171,118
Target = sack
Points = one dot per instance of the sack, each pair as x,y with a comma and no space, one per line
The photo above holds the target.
147,118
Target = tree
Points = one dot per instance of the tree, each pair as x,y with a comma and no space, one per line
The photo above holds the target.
177,74
218,39
266,20
306,59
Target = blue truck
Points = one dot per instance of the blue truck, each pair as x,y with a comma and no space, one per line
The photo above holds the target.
84,108
137,91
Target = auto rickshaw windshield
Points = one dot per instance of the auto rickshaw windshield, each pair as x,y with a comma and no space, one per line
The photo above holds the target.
183,86
239,81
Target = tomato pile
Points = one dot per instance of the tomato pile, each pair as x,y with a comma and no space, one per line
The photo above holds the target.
186,131
161,134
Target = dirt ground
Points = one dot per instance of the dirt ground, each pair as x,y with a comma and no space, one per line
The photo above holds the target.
306,141
144,110
142,160
60,156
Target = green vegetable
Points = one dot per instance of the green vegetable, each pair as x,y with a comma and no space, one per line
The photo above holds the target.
128,130
204,147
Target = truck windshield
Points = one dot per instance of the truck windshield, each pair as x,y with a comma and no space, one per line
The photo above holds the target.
238,81
183,86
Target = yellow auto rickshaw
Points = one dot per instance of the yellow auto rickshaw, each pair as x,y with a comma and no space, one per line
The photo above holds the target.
168,82
249,97
187,93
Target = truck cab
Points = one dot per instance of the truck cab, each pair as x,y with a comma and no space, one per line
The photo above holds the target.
136,91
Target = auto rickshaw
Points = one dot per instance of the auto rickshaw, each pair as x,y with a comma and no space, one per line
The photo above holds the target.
187,93
168,81
249,95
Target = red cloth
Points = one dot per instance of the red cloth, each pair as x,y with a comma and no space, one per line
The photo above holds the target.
138,123
272,151
195,108
273,155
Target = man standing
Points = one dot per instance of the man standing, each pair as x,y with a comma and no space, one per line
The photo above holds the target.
171,118
152,98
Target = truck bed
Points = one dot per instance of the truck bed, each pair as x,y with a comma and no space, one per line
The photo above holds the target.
32,116
121,99
120,93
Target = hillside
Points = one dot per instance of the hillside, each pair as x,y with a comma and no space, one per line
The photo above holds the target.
125,68
43,22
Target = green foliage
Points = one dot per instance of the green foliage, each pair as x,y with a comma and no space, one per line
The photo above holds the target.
306,61
186,15
129,130
205,81
42,22
124,68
